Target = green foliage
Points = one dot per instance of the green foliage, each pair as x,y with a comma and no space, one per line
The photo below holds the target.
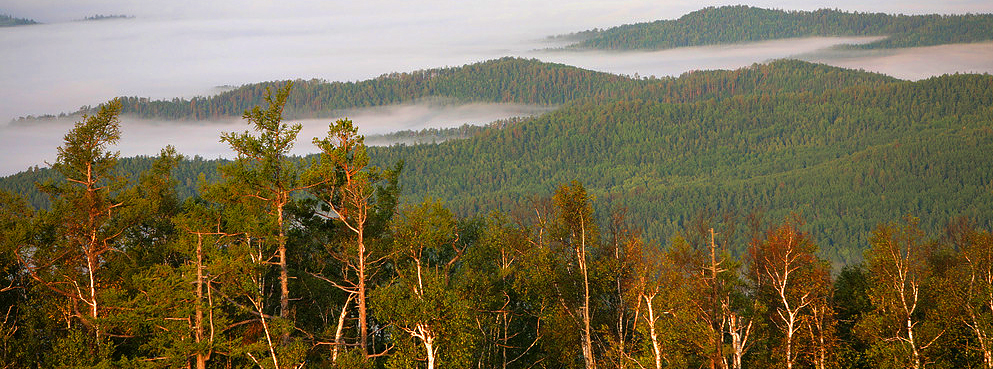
423,301
875,150
10,21
510,290
741,23
509,80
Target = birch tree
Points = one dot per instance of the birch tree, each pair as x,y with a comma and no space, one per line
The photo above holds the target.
976,292
783,267
423,301
495,279
575,233
898,264
662,306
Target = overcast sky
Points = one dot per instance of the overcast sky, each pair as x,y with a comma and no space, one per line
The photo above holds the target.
184,48
592,13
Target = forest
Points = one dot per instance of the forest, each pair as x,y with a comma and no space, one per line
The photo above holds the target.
7,20
741,23
846,149
285,262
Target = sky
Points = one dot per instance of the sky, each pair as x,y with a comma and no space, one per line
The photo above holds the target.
185,48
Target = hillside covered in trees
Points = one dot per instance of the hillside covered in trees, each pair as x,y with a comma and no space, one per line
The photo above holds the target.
286,263
505,80
741,23
7,20
846,149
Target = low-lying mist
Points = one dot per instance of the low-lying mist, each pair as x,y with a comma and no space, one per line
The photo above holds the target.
33,143
911,63
673,62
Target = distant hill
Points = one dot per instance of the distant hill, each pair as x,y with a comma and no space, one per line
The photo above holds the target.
9,21
734,24
99,17
846,149
506,80
846,158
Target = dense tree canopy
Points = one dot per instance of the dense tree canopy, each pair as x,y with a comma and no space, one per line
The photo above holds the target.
741,23
272,264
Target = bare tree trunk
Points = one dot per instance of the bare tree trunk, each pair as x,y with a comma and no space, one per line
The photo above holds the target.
363,319
718,318
198,319
90,265
739,332
284,277
341,325
585,309
913,345
428,339
90,250
651,319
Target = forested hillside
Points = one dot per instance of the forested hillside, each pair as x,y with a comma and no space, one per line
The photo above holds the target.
502,80
287,263
847,149
10,21
508,80
846,159
740,23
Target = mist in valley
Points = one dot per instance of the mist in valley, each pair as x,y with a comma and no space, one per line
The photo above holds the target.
25,144
185,48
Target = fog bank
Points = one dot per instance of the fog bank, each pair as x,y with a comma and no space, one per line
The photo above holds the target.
28,144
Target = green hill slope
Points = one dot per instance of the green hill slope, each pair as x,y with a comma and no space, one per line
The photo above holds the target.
510,80
847,159
733,24
847,149
10,21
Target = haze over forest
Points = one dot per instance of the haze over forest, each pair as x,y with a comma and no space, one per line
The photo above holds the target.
186,49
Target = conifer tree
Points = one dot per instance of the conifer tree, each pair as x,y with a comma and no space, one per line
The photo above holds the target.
264,176
83,230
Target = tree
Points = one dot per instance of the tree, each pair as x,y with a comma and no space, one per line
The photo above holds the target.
86,219
975,293
15,219
717,294
900,272
353,193
493,278
662,294
423,299
631,274
575,233
177,295
784,269
262,173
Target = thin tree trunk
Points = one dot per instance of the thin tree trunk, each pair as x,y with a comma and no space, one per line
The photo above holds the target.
90,264
585,309
656,349
201,357
284,277
428,339
363,324
90,249
717,359
913,346
341,325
